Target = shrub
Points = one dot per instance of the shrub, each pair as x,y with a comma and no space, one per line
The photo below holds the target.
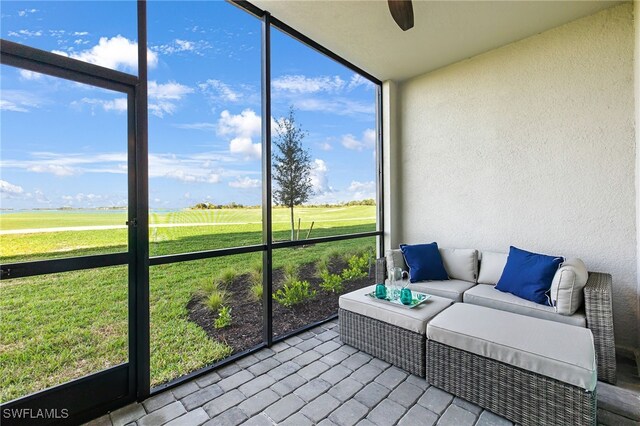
358,267
216,299
224,318
290,272
293,293
322,264
331,282
227,275
255,291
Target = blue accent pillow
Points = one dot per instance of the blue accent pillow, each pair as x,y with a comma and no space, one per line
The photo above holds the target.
529,275
424,261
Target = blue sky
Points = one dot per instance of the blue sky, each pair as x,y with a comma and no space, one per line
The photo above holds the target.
64,144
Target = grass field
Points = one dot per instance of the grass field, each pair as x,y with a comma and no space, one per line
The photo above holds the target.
59,327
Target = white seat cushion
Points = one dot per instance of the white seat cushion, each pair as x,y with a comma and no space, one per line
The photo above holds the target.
566,288
548,348
451,289
460,264
410,319
485,295
491,266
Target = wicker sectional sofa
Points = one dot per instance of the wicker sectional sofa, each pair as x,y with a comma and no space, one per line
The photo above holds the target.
531,364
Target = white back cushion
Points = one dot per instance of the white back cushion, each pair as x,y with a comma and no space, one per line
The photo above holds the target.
460,264
395,259
491,266
567,285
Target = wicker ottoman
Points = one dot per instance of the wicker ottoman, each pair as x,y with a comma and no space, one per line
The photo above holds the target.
392,333
531,371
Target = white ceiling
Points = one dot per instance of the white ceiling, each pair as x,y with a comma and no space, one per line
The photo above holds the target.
445,32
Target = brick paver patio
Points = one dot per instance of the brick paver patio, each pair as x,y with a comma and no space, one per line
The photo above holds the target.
311,378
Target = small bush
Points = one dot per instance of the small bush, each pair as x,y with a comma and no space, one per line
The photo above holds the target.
293,293
216,299
358,267
322,264
331,282
224,318
255,291
290,272
227,275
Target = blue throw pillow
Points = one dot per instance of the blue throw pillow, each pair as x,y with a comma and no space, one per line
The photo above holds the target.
529,275
424,261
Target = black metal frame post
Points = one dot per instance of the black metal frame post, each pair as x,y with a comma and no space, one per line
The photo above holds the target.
142,320
267,228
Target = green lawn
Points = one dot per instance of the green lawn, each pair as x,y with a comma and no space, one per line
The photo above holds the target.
62,326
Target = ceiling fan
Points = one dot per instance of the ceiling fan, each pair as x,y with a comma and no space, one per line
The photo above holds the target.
402,13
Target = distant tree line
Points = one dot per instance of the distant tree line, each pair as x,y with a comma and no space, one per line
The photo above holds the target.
211,206
234,205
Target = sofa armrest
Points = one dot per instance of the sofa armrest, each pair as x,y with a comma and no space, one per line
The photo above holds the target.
599,311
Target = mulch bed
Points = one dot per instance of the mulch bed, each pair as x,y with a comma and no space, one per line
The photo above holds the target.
245,330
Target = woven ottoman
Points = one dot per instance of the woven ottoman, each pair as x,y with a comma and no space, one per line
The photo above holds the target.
392,333
529,370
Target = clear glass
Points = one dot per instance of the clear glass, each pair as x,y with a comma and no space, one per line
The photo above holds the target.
308,280
187,300
60,327
99,32
205,181
334,115
63,168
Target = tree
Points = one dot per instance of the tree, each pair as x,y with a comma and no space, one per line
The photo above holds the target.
291,166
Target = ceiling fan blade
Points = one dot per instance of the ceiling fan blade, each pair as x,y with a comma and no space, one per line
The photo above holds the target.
402,12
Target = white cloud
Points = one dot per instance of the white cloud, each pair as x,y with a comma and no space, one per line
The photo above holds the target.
245,183
54,169
170,90
362,186
325,146
116,53
241,128
80,33
26,12
19,101
318,175
197,126
219,91
357,80
367,141
339,106
30,75
9,189
117,104
245,147
162,97
303,84
178,46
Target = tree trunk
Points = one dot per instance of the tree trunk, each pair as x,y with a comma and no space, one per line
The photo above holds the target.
293,227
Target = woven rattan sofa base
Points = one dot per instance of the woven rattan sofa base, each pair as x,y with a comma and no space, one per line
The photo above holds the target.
403,348
521,396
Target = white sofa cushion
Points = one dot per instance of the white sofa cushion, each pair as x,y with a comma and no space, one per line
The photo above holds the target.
451,289
410,319
548,348
566,288
484,295
491,266
460,264
395,259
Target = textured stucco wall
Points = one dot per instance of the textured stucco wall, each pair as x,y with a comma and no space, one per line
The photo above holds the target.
390,156
636,73
531,145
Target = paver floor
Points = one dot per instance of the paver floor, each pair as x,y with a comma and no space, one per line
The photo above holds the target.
309,379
